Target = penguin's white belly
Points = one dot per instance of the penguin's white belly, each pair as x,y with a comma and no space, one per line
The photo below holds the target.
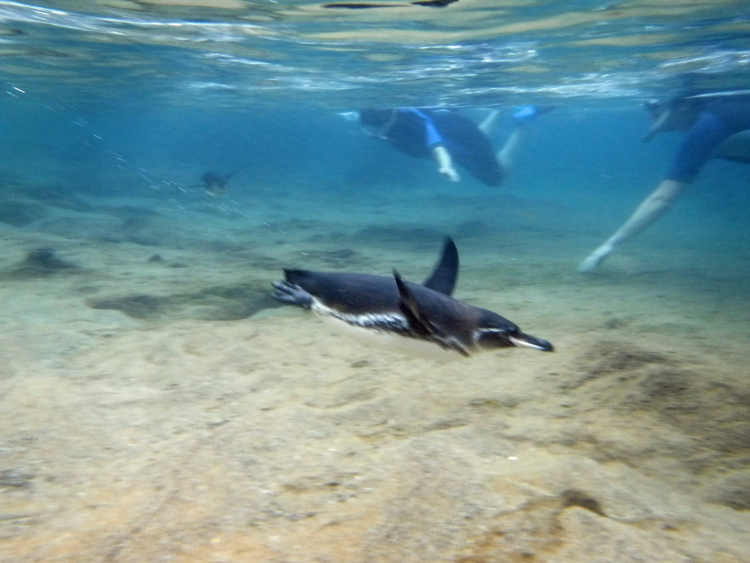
390,341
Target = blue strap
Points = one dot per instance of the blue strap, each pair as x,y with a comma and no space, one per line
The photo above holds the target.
433,135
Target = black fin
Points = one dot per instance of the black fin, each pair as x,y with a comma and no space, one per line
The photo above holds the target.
444,275
408,306
368,5
434,3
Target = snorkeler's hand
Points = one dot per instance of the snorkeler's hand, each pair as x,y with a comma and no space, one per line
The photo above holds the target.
595,258
450,173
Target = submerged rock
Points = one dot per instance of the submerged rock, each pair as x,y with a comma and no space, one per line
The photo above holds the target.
217,303
41,262
18,214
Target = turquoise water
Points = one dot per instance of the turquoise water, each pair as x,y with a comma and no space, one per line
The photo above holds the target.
281,54
157,404
122,87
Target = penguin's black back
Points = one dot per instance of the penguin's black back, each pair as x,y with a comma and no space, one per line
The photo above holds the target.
348,293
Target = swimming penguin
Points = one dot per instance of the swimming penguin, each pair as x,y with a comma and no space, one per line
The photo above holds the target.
216,183
414,318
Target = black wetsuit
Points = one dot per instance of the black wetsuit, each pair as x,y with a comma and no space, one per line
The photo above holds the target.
417,132
719,119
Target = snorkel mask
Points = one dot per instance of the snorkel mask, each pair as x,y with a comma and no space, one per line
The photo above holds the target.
377,122
659,112
669,115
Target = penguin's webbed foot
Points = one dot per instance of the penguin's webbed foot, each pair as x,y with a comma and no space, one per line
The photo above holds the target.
291,293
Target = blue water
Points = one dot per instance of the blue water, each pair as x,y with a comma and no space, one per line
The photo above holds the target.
588,159
150,431
120,90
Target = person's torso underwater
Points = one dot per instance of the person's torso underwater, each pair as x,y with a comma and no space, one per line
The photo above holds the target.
727,117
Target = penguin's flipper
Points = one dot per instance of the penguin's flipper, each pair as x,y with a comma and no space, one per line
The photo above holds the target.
418,321
445,273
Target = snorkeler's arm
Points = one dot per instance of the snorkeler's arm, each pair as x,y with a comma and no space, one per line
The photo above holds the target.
648,212
445,163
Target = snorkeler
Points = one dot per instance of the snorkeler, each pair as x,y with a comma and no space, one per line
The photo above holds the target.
717,126
449,138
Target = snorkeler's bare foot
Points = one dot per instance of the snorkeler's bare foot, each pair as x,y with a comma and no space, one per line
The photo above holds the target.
593,260
450,173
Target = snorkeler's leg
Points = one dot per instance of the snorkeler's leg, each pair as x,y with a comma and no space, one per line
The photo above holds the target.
488,123
507,155
648,212
522,116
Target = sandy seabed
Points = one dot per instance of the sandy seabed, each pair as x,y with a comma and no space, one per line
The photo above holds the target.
157,405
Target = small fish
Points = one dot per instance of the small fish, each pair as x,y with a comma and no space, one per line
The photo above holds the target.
216,183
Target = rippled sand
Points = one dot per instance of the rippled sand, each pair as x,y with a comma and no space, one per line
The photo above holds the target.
157,405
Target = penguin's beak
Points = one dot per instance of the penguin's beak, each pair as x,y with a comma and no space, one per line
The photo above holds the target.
523,340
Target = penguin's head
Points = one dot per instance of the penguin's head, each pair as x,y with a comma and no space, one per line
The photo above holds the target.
494,331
